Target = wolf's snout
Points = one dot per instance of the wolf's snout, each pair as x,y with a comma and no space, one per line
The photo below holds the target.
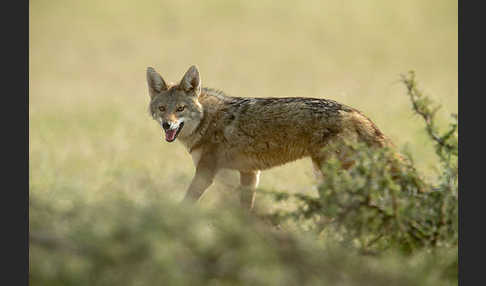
166,126
171,132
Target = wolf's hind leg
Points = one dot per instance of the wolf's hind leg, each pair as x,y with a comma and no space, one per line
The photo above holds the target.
319,157
317,171
249,181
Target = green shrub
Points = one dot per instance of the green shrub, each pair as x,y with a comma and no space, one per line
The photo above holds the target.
118,241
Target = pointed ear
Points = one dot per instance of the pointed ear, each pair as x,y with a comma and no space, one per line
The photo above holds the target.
191,81
155,82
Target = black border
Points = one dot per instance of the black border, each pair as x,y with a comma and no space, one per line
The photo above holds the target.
471,143
15,139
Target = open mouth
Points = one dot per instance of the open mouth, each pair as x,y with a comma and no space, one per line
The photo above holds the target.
171,134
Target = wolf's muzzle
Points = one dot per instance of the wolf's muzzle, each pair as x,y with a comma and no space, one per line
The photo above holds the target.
171,134
166,126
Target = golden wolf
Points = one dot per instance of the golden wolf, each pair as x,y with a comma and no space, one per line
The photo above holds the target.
251,134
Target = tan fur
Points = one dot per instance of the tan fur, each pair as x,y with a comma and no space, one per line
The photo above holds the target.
253,134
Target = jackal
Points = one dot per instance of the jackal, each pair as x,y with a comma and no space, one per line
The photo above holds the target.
251,134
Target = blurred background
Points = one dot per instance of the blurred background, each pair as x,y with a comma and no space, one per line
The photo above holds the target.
89,128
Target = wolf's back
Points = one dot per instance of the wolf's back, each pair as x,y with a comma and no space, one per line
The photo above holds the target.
306,120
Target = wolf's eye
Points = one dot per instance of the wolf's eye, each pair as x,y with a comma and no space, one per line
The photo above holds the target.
180,108
161,108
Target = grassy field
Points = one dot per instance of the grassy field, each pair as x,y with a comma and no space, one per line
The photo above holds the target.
88,98
91,134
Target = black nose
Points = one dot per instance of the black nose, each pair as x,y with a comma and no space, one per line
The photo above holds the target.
165,125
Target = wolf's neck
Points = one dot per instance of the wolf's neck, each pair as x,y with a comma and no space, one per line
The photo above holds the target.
211,100
195,139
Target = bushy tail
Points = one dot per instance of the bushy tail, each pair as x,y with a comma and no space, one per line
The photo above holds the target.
402,168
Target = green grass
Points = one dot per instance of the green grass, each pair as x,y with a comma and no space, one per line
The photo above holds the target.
90,132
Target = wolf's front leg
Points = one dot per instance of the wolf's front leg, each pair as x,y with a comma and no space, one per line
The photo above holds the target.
205,172
249,182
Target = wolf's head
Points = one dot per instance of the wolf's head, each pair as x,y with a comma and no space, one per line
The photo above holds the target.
175,107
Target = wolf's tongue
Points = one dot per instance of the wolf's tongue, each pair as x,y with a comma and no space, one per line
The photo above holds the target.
170,134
